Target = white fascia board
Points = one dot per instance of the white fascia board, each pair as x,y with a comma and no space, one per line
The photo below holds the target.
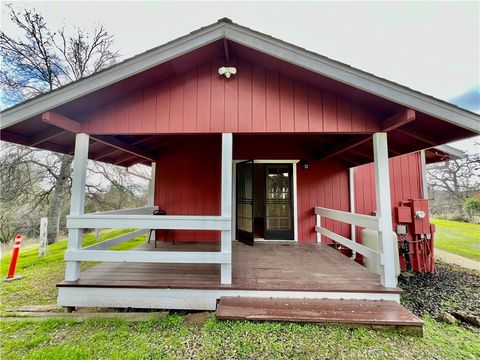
353,77
450,150
110,76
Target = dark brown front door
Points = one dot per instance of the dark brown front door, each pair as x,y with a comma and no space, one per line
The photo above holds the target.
278,202
245,202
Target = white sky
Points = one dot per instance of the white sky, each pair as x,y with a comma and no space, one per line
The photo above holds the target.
433,47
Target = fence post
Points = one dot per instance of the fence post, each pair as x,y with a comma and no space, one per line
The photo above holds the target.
319,224
43,236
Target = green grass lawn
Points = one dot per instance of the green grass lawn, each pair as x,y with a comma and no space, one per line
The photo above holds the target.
40,275
458,238
171,336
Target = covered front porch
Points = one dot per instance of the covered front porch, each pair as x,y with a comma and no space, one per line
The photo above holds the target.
328,224
266,270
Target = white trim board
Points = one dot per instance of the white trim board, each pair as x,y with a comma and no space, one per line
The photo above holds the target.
189,299
295,191
225,29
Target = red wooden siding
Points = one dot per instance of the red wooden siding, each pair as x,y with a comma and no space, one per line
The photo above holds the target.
405,183
256,100
323,184
188,181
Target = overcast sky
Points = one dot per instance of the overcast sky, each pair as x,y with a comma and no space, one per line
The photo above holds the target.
433,47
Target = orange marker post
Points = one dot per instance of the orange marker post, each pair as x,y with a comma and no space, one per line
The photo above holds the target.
13,263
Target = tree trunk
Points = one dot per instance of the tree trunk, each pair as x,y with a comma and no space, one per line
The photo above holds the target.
58,197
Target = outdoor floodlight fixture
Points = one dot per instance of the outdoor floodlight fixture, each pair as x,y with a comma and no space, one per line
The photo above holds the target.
227,71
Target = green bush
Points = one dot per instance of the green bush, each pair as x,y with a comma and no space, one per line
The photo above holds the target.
472,206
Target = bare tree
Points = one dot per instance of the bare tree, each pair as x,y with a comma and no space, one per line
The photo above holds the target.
41,60
456,179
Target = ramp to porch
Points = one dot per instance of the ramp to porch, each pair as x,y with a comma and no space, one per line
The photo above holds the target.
365,312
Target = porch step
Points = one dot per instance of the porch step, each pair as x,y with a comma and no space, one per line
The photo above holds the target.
365,312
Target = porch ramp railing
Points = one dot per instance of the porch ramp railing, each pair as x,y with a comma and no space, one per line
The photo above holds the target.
144,220
365,221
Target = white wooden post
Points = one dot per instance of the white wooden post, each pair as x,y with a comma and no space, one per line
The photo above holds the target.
151,185
151,198
43,236
423,163
77,202
97,234
318,222
226,246
384,209
351,190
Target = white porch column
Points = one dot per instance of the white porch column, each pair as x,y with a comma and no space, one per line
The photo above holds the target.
77,202
151,185
423,163
384,209
226,246
151,197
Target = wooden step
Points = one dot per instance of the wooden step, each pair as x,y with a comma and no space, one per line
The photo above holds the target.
365,312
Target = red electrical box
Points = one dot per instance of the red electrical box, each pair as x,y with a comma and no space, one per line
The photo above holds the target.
404,214
420,216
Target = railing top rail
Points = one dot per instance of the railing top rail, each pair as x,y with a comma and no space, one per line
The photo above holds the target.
173,222
366,221
137,210
150,217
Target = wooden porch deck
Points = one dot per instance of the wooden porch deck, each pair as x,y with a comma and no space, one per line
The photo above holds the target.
266,266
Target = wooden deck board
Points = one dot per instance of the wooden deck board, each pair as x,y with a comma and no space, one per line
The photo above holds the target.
272,266
367,312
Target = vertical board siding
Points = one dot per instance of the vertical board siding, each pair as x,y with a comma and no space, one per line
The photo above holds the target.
188,181
231,102
323,184
255,100
405,183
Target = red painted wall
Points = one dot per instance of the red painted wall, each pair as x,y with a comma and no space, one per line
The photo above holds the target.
188,181
255,100
406,183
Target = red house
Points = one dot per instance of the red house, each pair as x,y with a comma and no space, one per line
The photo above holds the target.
250,139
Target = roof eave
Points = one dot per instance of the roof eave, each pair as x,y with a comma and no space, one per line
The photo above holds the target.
111,75
257,41
353,77
451,151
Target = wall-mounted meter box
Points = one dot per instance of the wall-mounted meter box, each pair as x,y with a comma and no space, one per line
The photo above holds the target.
421,219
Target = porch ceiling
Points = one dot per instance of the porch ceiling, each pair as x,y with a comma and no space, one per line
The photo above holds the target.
315,147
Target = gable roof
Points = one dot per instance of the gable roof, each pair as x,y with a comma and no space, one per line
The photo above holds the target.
226,29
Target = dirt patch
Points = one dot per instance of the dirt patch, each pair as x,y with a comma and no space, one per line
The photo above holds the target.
451,288
198,318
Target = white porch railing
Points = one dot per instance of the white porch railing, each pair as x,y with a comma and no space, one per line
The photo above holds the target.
366,221
143,219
